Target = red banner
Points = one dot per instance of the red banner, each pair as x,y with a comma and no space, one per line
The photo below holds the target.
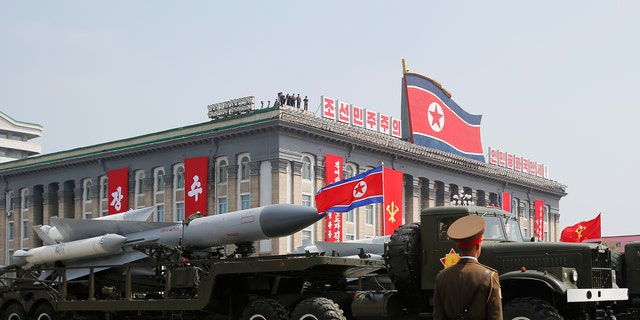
118,188
333,220
196,171
581,231
538,223
392,204
506,201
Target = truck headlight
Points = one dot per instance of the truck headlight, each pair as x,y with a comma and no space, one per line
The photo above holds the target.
574,276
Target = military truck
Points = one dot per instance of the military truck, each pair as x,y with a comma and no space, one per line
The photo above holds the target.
539,280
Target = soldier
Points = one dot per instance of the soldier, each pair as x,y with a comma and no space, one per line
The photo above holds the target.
467,290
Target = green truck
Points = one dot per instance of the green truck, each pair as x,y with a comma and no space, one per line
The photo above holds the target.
539,280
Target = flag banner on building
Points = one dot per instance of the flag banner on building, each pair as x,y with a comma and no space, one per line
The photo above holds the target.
347,194
436,121
505,201
582,231
392,205
118,188
333,221
538,222
196,171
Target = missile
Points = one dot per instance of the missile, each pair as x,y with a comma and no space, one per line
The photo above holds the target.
248,225
80,249
88,238
50,235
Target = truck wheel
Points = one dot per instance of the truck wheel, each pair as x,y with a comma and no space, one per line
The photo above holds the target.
403,258
14,312
264,309
528,308
44,312
317,308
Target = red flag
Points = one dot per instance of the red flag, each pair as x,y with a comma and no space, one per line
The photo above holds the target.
118,187
538,223
581,231
392,200
195,182
344,195
333,221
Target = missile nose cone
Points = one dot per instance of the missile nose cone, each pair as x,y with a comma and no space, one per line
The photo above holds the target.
280,220
112,242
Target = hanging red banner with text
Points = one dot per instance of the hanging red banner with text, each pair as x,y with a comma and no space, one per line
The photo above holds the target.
195,185
333,220
118,187
538,207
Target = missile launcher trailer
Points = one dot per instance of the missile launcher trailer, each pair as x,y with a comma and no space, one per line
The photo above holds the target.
540,280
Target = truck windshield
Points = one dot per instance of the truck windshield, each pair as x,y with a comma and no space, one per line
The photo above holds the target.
499,228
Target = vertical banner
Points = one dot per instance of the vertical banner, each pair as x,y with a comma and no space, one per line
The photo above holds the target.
538,207
196,171
505,200
392,203
118,187
333,220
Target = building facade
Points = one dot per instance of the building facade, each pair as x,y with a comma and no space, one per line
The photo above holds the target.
266,156
14,139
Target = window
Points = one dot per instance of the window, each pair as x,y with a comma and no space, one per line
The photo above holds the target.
158,177
179,174
24,204
306,238
306,168
244,168
223,171
222,205
86,192
306,200
369,219
245,202
104,188
140,182
180,211
10,231
160,213
350,216
349,170
25,229
349,237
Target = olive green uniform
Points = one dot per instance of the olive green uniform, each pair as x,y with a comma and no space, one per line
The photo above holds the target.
468,286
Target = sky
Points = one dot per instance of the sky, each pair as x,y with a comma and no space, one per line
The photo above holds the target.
554,81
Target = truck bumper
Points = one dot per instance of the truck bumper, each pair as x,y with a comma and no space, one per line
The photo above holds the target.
593,295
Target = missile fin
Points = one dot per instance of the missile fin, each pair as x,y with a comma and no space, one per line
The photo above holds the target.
43,235
75,229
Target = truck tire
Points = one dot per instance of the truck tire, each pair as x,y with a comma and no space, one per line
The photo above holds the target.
44,312
14,312
317,308
264,309
403,258
528,308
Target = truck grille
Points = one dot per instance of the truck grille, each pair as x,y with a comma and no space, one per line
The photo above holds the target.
601,268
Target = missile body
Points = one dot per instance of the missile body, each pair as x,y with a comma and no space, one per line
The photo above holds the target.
80,249
248,225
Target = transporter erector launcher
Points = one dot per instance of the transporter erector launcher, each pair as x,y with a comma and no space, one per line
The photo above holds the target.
80,242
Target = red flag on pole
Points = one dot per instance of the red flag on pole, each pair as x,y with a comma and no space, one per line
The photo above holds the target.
581,231
392,204
118,187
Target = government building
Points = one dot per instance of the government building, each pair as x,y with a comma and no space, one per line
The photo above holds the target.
256,157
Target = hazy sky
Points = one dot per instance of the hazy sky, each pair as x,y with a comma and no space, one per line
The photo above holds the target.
555,81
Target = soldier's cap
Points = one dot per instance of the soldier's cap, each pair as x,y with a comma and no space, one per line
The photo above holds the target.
467,231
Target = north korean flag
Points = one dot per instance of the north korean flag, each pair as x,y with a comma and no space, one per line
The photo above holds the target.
438,122
357,191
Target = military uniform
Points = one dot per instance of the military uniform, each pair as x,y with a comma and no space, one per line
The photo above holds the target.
468,289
